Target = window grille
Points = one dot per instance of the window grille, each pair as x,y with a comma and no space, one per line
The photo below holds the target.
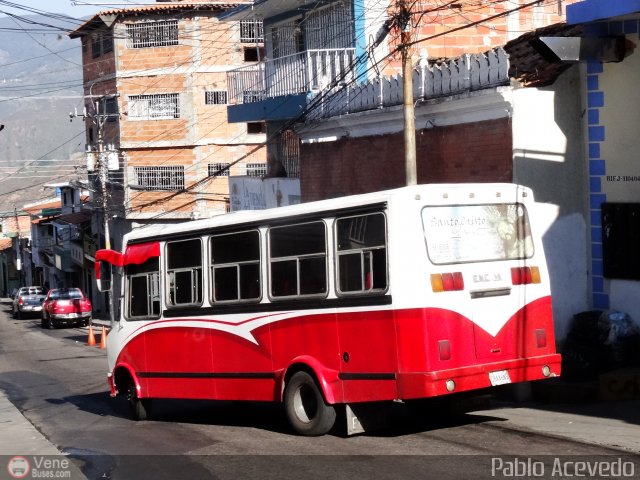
160,178
218,169
250,96
256,169
251,31
152,34
289,152
215,97
158,106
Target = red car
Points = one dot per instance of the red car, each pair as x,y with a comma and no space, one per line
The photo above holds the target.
65,306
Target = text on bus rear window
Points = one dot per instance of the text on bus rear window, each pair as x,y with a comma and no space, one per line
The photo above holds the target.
477,233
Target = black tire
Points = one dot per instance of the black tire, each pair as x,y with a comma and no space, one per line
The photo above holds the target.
46,322
18,315
306,409
140,409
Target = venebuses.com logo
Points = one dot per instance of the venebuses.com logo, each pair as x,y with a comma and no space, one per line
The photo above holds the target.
18,467
39,467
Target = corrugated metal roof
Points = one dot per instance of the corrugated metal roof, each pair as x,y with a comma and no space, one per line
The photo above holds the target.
159,8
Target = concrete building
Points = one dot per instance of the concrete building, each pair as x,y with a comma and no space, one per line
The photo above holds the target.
609,123
313,51
156,95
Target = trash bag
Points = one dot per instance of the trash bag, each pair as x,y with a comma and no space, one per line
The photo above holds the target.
623,339
600,341
582,353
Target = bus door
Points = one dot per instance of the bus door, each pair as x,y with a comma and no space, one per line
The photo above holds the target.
367,335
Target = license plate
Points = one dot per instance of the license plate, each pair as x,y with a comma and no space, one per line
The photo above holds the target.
501,377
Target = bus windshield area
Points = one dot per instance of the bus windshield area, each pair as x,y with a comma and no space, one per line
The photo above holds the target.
477,233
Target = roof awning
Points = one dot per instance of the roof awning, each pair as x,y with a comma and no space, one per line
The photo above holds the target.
75,218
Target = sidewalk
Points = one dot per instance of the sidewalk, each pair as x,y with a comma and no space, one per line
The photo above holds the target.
19,437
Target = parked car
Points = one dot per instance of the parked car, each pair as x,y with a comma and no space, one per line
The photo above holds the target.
27,300
65,306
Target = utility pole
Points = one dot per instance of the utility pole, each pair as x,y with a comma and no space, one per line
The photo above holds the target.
407,94
99,119
19,246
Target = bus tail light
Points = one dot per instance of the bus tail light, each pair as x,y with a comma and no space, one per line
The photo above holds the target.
541,338
447,282
525,275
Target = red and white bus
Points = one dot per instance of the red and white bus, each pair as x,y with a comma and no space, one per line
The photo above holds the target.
403,294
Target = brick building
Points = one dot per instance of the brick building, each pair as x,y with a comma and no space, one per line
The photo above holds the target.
156,95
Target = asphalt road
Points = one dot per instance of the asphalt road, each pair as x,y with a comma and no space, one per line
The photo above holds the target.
59,383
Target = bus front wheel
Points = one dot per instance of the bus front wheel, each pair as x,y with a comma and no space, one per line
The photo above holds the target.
306,409
140,408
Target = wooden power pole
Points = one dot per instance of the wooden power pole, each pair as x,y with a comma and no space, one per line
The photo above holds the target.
407,95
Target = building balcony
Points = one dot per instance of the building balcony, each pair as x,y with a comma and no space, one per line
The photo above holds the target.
279,89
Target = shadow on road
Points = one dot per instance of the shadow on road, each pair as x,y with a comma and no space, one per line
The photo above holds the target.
268,416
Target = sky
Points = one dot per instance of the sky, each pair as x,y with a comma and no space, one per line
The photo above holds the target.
84,8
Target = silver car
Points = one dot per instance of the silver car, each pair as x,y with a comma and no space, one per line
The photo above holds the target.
28,300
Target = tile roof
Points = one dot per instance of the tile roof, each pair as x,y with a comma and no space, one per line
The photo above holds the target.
530,67
159,8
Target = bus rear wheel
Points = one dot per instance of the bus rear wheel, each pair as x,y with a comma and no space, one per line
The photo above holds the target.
140,409
306,409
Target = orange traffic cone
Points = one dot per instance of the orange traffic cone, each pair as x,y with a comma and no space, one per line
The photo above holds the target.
103,338
92,339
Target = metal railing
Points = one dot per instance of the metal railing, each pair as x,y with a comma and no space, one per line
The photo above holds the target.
310,71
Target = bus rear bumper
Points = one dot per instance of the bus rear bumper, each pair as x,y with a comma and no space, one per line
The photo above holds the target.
431,384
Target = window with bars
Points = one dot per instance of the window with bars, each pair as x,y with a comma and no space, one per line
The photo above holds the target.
152,34
250,96
160,178
215,97
256,169
251,31
154,107
218,169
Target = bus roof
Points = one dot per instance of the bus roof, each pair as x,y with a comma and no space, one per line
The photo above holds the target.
436,193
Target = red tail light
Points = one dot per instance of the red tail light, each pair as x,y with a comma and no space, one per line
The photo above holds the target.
447,282
525,275
20,301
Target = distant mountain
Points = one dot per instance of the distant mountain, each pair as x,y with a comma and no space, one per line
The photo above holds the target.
40,83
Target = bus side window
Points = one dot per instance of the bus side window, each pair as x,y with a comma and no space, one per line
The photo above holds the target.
143,290
361,253
298,260
184,271
235,267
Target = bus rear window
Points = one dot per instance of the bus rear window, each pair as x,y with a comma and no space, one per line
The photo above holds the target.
477,233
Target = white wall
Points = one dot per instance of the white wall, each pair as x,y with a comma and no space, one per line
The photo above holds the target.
620,116
549,158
